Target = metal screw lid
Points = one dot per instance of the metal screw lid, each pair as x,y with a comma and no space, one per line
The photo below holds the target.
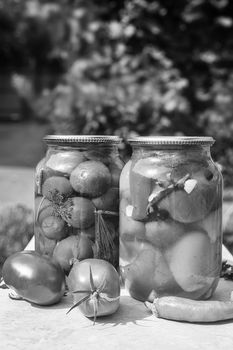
77,139
171,140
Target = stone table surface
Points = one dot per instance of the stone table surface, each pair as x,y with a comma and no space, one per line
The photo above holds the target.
27,327
24,326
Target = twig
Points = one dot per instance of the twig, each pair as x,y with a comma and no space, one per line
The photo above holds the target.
163,193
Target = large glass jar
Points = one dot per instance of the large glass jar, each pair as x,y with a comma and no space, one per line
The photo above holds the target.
77,199
170,218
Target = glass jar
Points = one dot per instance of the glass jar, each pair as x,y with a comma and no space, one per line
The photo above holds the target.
170,218
77,199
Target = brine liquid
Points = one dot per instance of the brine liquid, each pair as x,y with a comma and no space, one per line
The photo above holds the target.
170,228
77,193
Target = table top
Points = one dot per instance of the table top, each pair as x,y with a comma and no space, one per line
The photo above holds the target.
24,326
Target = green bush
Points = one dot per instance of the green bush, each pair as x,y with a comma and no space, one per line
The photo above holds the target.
135,67
16,229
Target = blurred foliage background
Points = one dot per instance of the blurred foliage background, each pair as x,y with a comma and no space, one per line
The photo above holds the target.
125,67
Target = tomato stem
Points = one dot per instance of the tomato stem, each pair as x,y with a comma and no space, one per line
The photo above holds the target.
95,305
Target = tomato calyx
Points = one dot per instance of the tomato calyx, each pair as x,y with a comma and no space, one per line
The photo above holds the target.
94,294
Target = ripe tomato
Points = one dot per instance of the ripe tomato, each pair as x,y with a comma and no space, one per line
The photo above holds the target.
91,178
54,227
193,261
95,285
88,232
44,245
34,278
148,275
130,229
163,233
43,208
72,248
80,212
56,184
108,201
65,162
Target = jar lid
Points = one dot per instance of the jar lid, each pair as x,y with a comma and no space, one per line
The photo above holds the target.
74,139
172,140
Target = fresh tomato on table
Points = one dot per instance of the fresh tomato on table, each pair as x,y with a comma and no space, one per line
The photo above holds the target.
35,278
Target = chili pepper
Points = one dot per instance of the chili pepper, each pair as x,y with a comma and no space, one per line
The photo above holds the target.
182,309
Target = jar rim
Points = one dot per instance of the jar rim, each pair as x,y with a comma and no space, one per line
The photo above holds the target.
171,140
71,139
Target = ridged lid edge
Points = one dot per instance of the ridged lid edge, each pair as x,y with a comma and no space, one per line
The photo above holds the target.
61,139
171,140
